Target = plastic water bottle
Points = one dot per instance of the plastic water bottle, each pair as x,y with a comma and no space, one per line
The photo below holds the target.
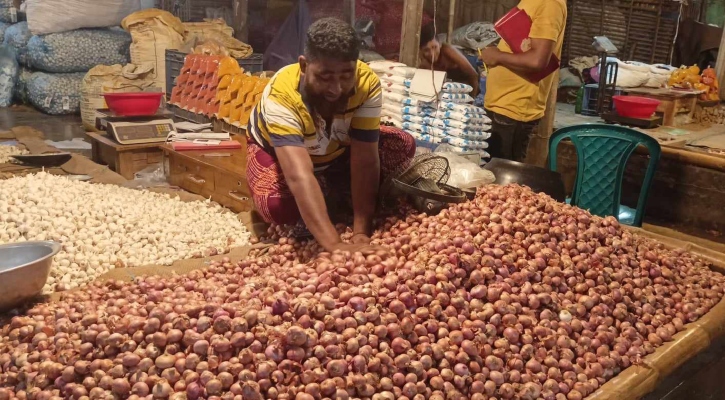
579,100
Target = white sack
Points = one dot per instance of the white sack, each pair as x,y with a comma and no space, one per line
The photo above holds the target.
52,16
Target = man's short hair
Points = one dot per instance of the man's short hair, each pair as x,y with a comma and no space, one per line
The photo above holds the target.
427,33
332,38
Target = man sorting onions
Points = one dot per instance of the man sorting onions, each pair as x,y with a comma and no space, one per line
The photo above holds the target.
316,132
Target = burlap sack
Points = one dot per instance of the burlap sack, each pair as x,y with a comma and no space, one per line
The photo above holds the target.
153,31
111,79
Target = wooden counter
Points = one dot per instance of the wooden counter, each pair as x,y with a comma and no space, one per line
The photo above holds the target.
124,159
223,179
672,102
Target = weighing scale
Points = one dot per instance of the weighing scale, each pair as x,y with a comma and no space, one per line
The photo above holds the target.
607,74
135,130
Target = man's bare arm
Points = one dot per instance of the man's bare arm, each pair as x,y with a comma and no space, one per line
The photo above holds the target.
365,176
534,60
298,171
457,58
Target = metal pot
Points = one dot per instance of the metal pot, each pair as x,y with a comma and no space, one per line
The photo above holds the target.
24,269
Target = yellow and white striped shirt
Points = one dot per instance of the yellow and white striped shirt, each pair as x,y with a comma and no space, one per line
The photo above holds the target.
283,118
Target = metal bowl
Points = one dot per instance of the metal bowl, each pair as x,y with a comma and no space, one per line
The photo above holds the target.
44,160
537,178
24,269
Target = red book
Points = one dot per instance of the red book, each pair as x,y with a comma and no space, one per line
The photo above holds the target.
225,144
514,29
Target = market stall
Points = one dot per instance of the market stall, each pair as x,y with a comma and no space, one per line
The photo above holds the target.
442,315
159,289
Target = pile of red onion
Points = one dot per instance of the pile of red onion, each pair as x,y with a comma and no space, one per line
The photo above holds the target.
509,296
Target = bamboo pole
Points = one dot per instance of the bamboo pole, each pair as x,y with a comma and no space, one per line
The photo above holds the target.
538,151
240,10
349,11
720,66
451,19
410,35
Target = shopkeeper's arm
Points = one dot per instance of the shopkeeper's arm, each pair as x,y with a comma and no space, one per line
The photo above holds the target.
458,59
534,60
547,24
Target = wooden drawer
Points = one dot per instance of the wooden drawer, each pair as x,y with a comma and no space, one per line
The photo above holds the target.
190,175
232,191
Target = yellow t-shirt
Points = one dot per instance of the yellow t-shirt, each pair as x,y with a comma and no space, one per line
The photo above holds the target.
508,93
283,117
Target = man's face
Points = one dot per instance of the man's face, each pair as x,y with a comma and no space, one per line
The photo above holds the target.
328,80
431,51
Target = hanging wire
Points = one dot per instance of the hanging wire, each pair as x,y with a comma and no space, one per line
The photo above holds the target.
435,36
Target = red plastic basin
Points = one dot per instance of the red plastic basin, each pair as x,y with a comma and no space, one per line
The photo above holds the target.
134,103
635,106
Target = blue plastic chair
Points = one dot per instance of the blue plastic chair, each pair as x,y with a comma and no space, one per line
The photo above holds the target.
602,154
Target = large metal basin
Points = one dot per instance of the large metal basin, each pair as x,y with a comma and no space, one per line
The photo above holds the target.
537,178
24,269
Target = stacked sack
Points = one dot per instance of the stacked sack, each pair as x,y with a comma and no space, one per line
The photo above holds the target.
153,32
103,79
8,12
60,42
3,26
453,119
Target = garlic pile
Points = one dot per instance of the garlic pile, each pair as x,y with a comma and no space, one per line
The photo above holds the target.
7,150
106,226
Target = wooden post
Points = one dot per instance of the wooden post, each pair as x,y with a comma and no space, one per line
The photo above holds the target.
410,34
240,11
349,11
538,150
451,20
720,66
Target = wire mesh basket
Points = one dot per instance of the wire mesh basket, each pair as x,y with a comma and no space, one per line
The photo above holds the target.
180,8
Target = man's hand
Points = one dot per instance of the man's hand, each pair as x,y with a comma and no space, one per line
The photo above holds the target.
360,238
364,248
491,56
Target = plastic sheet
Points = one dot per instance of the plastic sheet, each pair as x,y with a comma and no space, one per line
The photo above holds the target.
79,50
289,42
464,172
17,36
56,93
476,35
8,75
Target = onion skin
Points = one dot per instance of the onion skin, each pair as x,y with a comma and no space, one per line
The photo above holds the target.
511,295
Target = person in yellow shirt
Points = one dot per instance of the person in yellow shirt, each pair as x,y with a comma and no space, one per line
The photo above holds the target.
315,140
514,104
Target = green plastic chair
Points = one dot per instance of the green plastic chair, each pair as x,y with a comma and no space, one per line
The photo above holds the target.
602,154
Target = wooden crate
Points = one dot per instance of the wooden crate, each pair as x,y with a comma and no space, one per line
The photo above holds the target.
124,159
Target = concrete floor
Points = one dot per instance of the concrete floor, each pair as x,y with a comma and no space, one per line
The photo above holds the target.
55,127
